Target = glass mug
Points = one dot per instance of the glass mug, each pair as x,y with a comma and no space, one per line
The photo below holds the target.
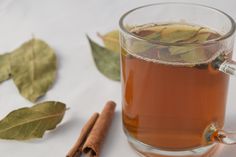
171,107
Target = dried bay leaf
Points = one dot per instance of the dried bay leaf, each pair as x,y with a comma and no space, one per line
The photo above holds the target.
177,50
199,38
191,52
156,36
194,56
107,62
27,123
33,68
5,71
176,33
176,36
111,40
138,47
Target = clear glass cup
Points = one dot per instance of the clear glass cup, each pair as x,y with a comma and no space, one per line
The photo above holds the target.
170,107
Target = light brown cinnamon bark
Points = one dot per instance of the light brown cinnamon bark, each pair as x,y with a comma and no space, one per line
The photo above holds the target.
77,148
93,144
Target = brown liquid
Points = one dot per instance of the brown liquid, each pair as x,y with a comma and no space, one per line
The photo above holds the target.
170,106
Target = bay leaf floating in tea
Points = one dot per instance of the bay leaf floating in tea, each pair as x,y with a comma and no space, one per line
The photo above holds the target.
199,38
111,40
4,67
33,68
178,32
175,42
107,62
138,46
154,36
189,51
27,123
194,56
177,50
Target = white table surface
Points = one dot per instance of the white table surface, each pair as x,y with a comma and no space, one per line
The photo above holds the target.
63,24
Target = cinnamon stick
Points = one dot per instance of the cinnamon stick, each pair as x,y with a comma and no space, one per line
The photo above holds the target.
93,143
76,150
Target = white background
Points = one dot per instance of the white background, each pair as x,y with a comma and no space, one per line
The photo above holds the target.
63,24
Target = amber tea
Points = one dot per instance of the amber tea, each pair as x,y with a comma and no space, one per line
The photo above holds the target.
172,93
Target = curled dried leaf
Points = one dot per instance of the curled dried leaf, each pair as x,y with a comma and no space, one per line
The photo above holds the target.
111,40
194,56
177,50
154,36
107,62
27,123
199,38
176,33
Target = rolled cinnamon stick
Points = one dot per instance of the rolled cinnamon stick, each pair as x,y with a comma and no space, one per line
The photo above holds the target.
76,150
93,144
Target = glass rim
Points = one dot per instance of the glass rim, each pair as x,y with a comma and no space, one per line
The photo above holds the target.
223,37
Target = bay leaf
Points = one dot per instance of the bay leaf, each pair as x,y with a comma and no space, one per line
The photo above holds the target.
199,38
111,40
138,46
190,52
194,56
33,68
156,36
107,62
178,33
5,72
165,55
177,50
28,123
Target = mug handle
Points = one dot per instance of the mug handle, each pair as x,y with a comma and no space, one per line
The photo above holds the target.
228,67
212,133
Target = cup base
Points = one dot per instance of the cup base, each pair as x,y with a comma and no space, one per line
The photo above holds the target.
145,150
